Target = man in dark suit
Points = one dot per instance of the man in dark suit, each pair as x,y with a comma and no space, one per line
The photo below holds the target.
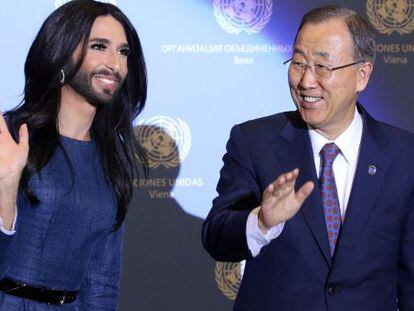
319,201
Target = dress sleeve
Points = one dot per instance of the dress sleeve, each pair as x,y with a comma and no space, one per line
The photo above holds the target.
100,290
6,242
7,239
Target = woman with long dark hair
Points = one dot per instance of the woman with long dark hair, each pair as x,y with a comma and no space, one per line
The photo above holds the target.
68,156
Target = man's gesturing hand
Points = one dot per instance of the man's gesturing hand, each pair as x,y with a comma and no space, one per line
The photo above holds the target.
280,202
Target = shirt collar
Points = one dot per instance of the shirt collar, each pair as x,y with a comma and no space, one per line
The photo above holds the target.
348,141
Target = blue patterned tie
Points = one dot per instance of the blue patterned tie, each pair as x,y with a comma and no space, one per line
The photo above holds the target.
329,194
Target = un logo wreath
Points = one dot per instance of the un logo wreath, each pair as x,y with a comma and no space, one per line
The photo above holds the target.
376,10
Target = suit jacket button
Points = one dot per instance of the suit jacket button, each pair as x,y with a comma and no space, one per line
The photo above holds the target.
331,290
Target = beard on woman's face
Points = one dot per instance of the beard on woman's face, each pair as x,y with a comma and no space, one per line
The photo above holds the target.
99,88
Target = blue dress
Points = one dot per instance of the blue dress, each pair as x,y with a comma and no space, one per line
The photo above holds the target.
66,241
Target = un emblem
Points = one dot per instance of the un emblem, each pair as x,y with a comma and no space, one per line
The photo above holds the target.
228,277
236,16
59,3
167,141
391,15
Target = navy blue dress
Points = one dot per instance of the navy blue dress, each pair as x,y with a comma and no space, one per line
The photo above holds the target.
65,241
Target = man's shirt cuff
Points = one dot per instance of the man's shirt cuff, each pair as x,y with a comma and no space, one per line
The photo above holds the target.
255,238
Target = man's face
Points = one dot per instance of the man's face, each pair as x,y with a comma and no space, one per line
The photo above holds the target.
327,104
105,65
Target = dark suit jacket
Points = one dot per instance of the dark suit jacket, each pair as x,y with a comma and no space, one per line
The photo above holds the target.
374,261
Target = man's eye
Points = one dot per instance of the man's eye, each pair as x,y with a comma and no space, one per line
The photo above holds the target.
125,51
299,64
98,46
321,67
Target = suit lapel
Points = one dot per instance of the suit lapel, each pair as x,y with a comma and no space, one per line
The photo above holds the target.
296,152
366,185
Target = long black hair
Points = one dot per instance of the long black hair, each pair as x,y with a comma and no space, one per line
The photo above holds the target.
62,32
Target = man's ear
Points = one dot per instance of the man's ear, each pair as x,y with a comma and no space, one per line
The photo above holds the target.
363,75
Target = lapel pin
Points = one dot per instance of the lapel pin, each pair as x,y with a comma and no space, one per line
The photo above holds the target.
372,169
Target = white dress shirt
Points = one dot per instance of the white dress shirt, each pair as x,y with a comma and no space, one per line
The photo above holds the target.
344,168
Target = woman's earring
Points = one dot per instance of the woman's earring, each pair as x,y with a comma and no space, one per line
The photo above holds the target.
62,74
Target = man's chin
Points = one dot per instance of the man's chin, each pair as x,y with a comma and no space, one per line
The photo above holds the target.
100,101
105,97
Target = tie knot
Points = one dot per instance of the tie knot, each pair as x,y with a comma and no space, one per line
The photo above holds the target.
329,152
